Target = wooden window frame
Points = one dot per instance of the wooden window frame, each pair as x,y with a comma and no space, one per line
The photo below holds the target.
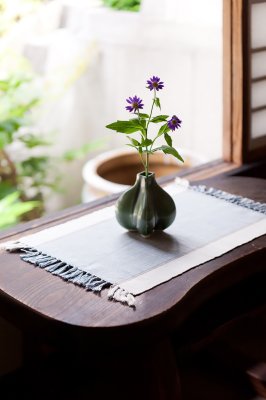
238,147
238,155
241,155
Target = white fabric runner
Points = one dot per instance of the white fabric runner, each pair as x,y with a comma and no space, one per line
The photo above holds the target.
205,228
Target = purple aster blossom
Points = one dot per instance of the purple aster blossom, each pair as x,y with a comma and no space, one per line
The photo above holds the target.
155,83
174,123
135,104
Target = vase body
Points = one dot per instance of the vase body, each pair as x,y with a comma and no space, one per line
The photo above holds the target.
145,207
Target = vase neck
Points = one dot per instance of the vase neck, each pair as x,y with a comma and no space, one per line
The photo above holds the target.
144,180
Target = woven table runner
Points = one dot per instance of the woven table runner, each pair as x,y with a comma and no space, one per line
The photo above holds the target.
95,252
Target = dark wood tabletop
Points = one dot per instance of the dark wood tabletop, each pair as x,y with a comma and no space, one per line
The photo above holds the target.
83,326
32,297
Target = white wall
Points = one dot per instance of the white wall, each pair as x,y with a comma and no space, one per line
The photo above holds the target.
180,41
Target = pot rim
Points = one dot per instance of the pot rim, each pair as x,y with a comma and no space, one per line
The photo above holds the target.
91,178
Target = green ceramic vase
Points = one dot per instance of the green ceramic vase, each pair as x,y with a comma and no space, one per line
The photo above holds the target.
145,207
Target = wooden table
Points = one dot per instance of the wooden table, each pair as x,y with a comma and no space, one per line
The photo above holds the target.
132,344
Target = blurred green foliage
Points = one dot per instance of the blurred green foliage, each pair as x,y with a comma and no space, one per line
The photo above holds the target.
127,5
11,208
22,175
27,172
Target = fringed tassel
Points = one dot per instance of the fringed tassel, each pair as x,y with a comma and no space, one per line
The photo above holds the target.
118,294
231,198
56,267
69,273
15,246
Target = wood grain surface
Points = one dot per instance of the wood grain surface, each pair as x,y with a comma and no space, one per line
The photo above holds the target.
41,303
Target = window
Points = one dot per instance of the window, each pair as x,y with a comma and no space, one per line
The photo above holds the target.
244,80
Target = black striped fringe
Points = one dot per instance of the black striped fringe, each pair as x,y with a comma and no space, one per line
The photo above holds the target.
231,198
65,271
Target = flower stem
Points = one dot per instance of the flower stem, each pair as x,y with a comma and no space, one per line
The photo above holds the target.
147,154
144,165
147,163
153,102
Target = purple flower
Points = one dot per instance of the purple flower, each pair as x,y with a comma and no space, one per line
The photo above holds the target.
174,123
154,83
135,104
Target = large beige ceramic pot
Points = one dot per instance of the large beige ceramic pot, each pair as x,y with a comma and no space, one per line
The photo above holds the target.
114,171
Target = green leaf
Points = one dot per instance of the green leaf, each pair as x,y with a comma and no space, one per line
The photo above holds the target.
5,189
157,102
11,208
170,150
132,145
33,165
19,208
22,109
4,85
143,123
11,84
7,129
129,5
134,141
8,200
10,125
138,122
5,139
15,82
145,116
146,142
168,139
159,118
138,148
126,126
164,129
31,141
